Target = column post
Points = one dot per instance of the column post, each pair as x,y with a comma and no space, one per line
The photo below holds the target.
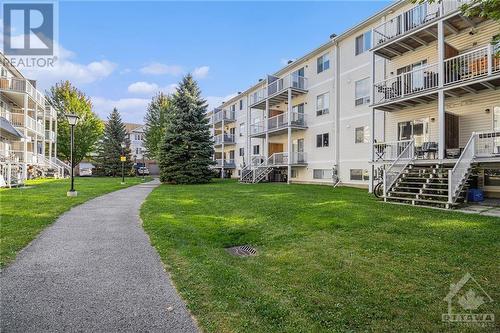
289,137
441,97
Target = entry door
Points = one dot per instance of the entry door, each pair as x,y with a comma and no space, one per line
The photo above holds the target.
275,148
415,129
298,150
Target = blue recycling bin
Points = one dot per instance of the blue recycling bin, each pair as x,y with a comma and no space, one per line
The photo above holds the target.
475,195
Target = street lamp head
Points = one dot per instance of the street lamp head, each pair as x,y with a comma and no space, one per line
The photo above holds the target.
72,118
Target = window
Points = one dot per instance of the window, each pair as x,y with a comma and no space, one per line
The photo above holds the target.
233,108
322,104
242,151
322,140
323,63
241,104
322,173
359,174
256,150
362,92
415,129
362,135
363,42
294,173
242,129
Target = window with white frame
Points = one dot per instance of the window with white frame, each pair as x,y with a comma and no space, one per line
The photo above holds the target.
242,129
242,151
322,104
363,42
362,135
294,173
323,63
359,174
362,92
241,104
322,140
322,173
256,150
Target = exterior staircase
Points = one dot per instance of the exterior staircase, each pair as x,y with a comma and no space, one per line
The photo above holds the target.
426,185
257,172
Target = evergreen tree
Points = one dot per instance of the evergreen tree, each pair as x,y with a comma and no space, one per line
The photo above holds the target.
155,122
110,148
186,151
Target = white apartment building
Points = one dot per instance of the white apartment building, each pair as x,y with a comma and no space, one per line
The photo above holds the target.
28,139
412,90
135,133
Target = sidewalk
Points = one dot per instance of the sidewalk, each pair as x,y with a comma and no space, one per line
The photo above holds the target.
93,270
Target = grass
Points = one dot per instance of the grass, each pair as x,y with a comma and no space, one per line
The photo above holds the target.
24,212
330,260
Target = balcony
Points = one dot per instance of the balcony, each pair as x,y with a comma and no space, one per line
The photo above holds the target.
416,27
276,91
17,120
50,135
282,159
22,86
228,163
225,138
279,124
471,71
224,115
50,112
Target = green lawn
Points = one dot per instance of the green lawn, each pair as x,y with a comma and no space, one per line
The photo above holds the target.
24,212
330,260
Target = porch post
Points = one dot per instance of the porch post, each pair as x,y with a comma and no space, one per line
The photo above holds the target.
25,143
441,110
223,139
289,148
265,149
372,121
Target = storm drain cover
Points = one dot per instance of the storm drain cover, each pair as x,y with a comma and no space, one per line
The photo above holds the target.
242,251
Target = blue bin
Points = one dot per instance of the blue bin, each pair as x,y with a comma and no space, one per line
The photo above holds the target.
475,195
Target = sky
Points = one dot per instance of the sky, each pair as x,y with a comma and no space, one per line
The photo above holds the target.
122,52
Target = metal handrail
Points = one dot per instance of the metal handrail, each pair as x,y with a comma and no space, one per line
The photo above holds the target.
398,166
461,168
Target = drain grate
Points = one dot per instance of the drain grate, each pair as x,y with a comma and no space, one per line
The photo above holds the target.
242,251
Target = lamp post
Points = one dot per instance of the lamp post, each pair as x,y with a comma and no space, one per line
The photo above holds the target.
72,120
122,158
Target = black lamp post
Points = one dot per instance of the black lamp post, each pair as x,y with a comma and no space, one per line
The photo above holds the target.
72,120
122,158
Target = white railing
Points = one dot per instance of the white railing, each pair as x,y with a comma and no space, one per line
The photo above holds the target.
405,22
413,19
281,120
487,144
50,135
470,65
17,119
258,96
224,138
62,164
227,115
393,172
257,127
229,163
389,151
255,161
461,169
409,83
31,158
24,86
289,81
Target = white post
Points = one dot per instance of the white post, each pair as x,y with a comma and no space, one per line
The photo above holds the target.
266,128
440,54
372,120
223,151
441,124
289,142
25,143
490,59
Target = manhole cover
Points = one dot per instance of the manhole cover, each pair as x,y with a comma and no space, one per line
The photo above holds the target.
242,251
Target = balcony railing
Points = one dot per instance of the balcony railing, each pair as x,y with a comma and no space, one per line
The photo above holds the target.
24,86
227,115
279,121
224,138
283,158
17,119
412,19
471,65
228,163
389,151
404,84
50,135
258,96
289,81
31,158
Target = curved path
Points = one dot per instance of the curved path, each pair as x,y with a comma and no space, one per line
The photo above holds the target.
93,270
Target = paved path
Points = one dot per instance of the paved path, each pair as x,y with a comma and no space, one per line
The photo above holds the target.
93,270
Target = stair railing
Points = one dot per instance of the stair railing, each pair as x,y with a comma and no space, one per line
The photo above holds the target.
398,166
456,176
247,169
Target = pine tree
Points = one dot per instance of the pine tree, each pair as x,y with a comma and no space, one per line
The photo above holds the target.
155,123
110,147
186,151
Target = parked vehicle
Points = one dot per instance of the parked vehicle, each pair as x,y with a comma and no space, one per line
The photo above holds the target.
143,171
85,172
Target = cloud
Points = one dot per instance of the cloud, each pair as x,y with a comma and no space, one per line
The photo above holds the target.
146,88
161,69
216,101
201,72
131,109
